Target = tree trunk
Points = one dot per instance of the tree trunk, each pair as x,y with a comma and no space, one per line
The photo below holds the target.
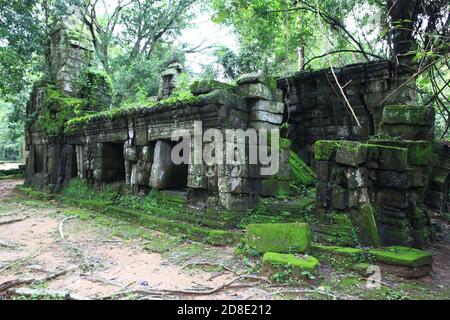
301,57
403,14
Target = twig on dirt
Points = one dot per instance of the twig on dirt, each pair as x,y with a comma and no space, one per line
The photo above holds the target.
7,245
212,291
22,260
295,291
206,263
61,225
13,220
101,280
215,276
25,281
164,292
61,294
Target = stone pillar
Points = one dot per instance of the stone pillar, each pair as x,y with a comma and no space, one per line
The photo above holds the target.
169,80
265,107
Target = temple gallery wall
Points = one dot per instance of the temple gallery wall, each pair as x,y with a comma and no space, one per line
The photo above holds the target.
376,170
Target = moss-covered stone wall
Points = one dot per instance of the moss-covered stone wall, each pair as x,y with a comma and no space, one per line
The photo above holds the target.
316,109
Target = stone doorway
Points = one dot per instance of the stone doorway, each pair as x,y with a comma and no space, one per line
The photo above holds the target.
165,175
113,161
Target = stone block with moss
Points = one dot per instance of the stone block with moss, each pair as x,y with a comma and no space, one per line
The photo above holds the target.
279,237
274,187
390,158
326,150
402,256
410,115
340,257
206,86
419,152
295,266
351,153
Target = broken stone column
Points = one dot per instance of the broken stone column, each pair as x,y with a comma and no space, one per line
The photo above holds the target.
265,107
70,51
169,80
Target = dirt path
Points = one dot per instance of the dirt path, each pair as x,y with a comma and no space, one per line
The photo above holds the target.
114,257
107,264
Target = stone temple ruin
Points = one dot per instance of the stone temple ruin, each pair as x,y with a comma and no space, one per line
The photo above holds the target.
374,181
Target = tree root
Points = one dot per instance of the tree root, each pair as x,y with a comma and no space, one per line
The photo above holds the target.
61,225
22,260
13,220
154,293
61,294
26,281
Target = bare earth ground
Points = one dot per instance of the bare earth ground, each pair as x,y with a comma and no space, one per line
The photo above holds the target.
112,260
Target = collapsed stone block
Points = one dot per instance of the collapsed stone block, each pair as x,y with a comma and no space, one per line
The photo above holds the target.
207,86
297,266
281,237
405,114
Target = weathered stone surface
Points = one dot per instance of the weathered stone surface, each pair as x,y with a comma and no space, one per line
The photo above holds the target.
257,91
268,106
273,187
281,237
163,170
255,77
297,266
412,115
207,86
351,154
408,132
259,125
403,256
357,178
266,117
326,150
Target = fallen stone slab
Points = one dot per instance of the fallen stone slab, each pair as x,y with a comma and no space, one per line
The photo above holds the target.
400,261
402,256
297,266
279,237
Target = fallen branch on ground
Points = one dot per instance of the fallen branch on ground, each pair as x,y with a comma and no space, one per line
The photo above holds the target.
22,260
13,220
25,281
61,224
61,294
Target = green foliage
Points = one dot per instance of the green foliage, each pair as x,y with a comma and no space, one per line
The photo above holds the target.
302,174
57,109
95,87
181,95
270,32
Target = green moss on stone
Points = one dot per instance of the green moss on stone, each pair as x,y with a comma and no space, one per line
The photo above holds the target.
279,237
302,174
405,114
419,152
326,150
402,256
275,262
369,224
206,86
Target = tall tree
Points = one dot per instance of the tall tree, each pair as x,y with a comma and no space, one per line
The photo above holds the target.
141,22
